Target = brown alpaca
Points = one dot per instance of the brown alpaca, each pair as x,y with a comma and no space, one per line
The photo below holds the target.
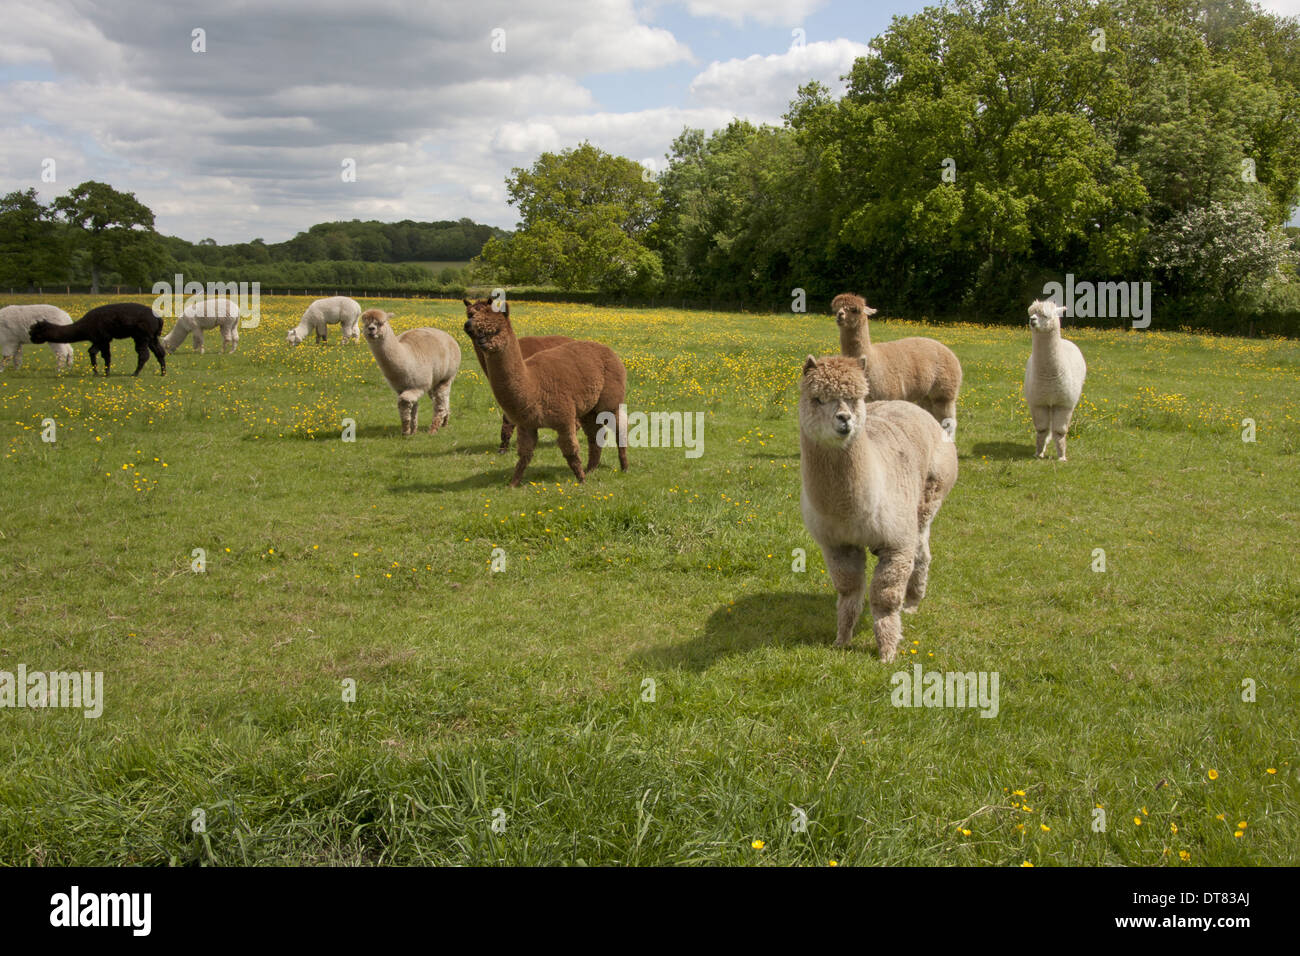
565,387
529,345
917,370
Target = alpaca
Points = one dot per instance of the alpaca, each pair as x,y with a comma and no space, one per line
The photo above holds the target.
336,309
16,323
203,314
529,345
917,370
417,362
1053,377
118,320
875,474
565,388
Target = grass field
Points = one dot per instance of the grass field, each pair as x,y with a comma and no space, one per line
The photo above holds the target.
519,696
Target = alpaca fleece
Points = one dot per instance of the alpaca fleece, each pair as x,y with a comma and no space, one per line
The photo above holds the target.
16,323
529,345
874,476
118,320
565,387
338,309
418,362
915,369
1054,377
201,316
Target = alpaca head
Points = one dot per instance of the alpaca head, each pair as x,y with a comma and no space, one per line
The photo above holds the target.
487,324
374,323
1045,316
850,310
39,332
833,394
293,338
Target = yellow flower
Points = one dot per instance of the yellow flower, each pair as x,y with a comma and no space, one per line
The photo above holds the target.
1184,855
1271,770
1218,816
758,844
1237,834
1213,774
832,863
965,832
1026,863
1241,825
1173,828
1137,821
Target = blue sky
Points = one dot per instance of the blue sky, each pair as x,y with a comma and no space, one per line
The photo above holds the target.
247,137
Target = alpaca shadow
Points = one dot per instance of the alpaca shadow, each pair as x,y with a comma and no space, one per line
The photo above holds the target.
481,479
780,619
792,456
1001,451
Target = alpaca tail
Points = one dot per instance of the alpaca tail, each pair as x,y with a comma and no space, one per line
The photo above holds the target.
622,436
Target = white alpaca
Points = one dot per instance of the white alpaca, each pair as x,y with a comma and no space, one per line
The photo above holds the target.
874,476
200,316
16,323
417,362
1053,377
337,309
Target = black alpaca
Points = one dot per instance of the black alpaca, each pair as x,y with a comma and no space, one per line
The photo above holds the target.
121,320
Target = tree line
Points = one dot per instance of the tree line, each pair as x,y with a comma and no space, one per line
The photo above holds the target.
983,151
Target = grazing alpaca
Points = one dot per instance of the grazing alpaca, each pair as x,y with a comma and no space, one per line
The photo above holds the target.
16,323
565,388
417,362
201,315
1053,377
917,370
119,320
529,345
336,309
874,477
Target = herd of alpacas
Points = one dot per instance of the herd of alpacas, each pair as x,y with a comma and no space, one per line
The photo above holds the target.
877,423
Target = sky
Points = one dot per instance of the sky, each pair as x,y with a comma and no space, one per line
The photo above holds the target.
249,137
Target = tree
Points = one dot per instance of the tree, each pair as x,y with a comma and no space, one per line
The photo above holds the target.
30,246
586,221
117,230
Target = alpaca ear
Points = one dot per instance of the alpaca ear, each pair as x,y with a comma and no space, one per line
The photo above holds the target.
867,310
809,364
467,302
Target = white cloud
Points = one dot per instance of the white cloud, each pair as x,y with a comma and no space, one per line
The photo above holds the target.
1285,8
763,86
788,13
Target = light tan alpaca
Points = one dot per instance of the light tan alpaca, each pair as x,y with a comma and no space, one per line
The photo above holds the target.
917,370
417,362
566,388
874,476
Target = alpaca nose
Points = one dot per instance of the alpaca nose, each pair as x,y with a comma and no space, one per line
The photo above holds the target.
469,330
842,417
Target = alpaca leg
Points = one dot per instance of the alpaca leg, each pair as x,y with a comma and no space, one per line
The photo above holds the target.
155,346
507,429
888,588
527,443
593,444
622,430
141,354
106,349
847,568
567,439
94,350
441,396
198,340
410,401
931,501
1042,426
18,356
945,410
1060,427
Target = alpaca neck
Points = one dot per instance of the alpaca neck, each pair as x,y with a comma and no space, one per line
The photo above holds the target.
65,333
840,481
387,349
509,377
1047,351
855,341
